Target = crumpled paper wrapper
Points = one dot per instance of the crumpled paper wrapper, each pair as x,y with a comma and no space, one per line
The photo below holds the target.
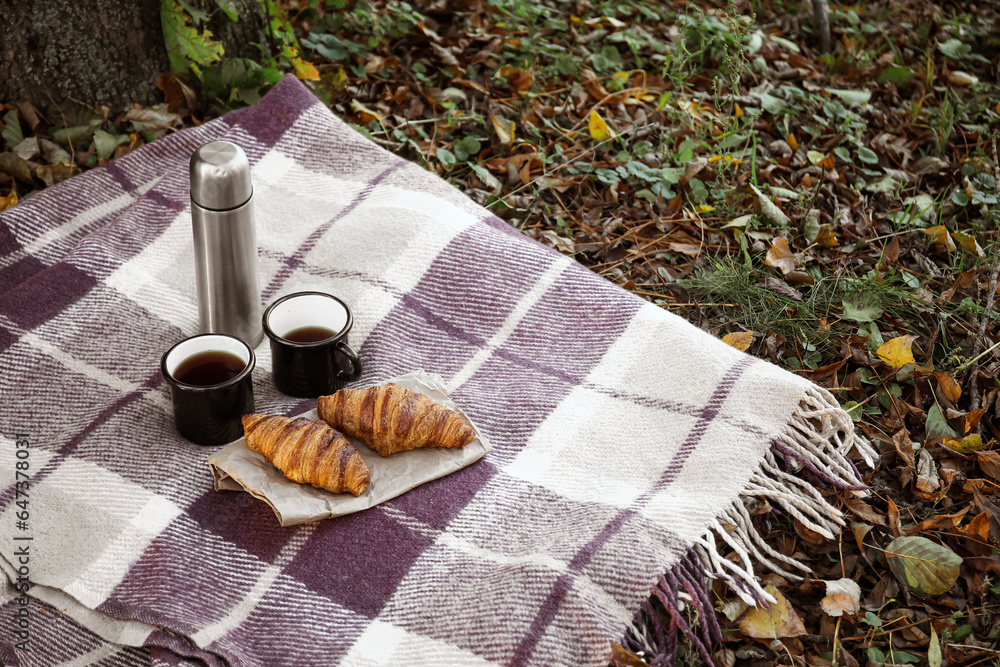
237,468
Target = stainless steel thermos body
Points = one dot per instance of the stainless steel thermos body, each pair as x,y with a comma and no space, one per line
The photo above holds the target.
225,242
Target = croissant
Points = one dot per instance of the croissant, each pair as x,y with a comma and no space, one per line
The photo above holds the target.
308,451
392,419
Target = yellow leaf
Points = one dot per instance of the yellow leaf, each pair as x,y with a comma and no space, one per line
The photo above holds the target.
704,208
305,70
968,242
967,445
738,112
8,201
826,237
792,141
896,352
777,621
739,339
599,130
504,129
942,239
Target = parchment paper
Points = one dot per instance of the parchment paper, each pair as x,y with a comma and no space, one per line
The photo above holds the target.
236,467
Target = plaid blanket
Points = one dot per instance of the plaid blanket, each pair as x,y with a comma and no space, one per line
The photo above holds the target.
625,439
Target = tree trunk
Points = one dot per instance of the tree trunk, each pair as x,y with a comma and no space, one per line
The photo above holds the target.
822,21
98,51
106,52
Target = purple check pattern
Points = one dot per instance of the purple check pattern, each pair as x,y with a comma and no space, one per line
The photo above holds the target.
621,433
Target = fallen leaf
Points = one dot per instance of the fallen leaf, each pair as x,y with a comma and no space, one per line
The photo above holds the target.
864,511
9,201
739,339
826,238
623,658
862,307
56,173
971,419
792,142
967,445
942,239
928,480
896,352
781,287
926,567
684,248
861,531
599,130
11,164
969,243
957,78
893,514
366,114
990,463
842,596
937,425
768,208
304,70
777,621
504,129
780,255
948,386
692,168
157,119
934,656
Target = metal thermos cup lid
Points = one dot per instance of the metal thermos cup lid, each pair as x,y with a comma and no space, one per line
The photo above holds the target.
220,176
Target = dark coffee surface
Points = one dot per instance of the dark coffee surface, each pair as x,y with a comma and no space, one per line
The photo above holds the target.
208,368
309,334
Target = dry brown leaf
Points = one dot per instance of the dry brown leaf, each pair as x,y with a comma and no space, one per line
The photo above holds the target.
778,620
842,596
860,531
957,78
739,339
780,255
893,513
685,248
623,658
948,386
863,510
989,462
504,129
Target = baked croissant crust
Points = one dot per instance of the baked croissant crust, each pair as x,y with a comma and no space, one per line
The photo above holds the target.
392,419
308,452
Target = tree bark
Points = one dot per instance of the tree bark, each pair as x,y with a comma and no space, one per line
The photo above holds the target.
822,21
106,52
99,52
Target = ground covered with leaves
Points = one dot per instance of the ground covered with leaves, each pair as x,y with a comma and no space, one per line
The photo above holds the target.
835,213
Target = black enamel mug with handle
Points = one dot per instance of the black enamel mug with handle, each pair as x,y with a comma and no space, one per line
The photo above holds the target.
211,386
310,356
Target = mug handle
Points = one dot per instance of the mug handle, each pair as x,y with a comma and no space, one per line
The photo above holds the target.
352,356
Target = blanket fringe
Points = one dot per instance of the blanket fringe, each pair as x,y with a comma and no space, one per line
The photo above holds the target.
810,453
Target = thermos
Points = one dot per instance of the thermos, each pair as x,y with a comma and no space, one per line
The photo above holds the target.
225,242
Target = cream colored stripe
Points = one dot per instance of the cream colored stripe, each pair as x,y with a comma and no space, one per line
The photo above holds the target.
242,610
75,224
74,364
509,325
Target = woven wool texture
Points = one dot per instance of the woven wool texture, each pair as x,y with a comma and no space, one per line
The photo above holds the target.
621,433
